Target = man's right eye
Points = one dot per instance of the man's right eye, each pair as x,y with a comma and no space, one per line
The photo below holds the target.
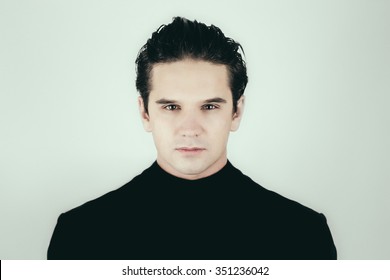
171,107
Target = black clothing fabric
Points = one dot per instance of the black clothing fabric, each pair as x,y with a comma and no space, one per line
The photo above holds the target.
223,216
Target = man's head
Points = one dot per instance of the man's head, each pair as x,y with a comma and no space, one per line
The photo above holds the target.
191,79
183,39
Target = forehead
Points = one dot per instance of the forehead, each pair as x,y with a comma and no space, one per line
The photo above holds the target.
189,77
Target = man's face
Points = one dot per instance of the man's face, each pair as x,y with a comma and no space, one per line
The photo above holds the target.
190,116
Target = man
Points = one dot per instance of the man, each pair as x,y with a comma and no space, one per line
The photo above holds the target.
191,203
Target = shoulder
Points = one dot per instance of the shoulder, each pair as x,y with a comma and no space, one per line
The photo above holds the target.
112,202
296,226
258,195
79,232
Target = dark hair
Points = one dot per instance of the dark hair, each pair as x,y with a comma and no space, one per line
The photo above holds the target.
183,39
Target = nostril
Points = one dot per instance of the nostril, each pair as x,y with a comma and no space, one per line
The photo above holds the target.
190,135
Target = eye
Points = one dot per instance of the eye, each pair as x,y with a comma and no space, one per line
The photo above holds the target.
171,107
209,107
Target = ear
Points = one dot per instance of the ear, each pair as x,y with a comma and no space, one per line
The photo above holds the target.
144,115
238,114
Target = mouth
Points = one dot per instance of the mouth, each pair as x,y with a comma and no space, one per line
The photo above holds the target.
190,150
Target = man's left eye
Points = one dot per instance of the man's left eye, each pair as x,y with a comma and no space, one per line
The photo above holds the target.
209,107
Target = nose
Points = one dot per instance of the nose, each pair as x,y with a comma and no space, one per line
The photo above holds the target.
191,125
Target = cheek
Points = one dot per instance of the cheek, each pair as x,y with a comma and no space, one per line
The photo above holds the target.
219,124
219,131
162,121
162,131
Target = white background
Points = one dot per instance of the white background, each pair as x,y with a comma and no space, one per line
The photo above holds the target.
315,129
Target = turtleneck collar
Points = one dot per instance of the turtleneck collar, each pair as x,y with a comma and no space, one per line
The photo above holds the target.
220,178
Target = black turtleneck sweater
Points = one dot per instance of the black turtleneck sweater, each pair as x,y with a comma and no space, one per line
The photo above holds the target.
223,216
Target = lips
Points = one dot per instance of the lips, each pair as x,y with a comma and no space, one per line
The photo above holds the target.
190,150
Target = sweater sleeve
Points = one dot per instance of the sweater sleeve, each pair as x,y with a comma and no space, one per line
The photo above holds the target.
60,246
326,247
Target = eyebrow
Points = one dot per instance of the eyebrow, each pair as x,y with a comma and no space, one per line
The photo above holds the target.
211,100
165,101
215,100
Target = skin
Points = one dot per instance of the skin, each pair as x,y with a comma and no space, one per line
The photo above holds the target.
190,117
